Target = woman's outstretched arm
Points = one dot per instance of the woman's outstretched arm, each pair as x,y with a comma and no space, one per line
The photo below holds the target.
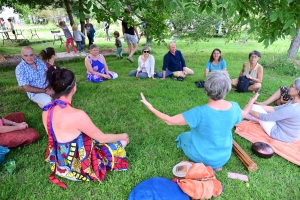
175,120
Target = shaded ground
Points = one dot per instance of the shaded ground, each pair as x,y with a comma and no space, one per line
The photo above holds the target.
14,60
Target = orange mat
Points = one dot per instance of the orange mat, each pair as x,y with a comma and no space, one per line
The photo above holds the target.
253,132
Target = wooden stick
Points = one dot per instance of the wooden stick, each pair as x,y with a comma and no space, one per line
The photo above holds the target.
243,156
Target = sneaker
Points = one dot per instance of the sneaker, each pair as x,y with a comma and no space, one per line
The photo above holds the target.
130,59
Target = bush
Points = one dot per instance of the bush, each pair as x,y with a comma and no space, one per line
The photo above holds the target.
24,42
281,65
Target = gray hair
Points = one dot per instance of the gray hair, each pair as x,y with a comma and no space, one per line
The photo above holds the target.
146,48
217,84
297,84
92,46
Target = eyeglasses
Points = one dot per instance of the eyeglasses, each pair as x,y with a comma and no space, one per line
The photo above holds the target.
146,51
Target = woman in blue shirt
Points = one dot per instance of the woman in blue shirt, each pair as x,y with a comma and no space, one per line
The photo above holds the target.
210,139
216,62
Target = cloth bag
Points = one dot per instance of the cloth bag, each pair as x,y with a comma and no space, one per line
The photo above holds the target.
200,182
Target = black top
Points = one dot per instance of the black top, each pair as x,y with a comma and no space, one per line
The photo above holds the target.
129,30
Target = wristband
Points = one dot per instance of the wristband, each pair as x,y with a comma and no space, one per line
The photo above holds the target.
14,123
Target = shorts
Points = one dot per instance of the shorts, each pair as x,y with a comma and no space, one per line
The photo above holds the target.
178,73
42,99
130,38
284,93
14,32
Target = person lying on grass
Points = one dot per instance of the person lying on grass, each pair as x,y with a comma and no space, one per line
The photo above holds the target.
281,122
77,149
210,138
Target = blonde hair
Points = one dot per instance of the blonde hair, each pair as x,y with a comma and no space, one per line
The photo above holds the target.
75,27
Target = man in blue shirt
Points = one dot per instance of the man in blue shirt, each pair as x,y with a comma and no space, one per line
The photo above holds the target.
174,64
31,75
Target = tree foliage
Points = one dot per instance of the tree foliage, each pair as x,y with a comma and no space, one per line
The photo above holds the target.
271,19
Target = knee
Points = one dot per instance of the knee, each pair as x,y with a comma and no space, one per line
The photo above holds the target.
234,82
257,85
191,72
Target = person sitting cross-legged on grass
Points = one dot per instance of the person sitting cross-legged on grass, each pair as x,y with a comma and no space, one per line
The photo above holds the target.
146,65
253,71
14,131
174,64
216,62
281,122
77,149
97,69
210,138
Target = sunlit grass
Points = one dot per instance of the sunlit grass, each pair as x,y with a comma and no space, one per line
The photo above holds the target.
115,107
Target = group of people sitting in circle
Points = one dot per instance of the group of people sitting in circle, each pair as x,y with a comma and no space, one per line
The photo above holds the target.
78,150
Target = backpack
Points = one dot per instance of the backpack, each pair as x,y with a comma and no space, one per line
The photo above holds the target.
243,84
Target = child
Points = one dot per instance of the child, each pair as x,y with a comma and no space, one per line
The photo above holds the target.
12,27
90,31
77,35
2,23
118,45
68,35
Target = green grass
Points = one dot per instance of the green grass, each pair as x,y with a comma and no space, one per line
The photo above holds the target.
115,107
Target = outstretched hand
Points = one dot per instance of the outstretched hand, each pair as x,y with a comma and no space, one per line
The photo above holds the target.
254,98
144,101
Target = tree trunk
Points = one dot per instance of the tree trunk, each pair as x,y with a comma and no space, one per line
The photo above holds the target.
294,47
82,30
69,11
82,22
148,40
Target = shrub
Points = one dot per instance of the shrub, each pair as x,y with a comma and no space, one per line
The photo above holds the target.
281,65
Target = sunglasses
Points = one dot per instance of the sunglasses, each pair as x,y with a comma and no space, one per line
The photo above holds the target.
146,51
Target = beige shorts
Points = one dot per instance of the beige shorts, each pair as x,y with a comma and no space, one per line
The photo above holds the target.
178,73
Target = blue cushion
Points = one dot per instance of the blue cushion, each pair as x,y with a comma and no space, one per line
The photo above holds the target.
157,188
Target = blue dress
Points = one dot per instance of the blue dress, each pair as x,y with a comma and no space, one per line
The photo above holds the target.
98,66
210,138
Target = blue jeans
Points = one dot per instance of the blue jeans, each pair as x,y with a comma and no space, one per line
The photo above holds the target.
168,74
119,52
141,74
79,46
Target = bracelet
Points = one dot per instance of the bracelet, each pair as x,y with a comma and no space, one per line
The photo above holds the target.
14,123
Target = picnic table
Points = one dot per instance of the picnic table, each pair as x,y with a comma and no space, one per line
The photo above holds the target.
19,31
58,36
4,36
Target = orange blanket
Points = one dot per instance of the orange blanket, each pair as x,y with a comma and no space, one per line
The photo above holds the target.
253,132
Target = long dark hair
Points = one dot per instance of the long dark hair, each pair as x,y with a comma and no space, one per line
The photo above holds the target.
47,53
62,81
211,59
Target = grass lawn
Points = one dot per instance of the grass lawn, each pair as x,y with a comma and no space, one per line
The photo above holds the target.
115,107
